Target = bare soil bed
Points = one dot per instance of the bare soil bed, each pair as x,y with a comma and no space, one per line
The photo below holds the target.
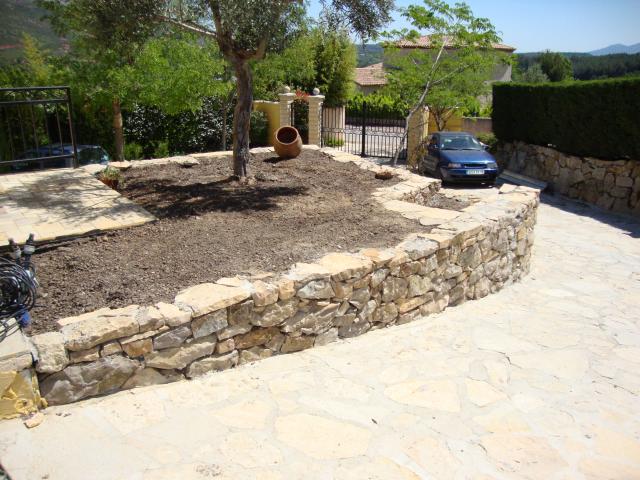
210,226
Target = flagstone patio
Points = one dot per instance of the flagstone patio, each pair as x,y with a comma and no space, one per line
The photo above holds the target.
62,203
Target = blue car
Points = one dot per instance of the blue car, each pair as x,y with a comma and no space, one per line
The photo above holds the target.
87,155
458,157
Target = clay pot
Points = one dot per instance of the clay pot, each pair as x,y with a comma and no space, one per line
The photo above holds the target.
288,143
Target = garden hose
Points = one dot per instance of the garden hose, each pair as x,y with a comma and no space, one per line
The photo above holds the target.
18,286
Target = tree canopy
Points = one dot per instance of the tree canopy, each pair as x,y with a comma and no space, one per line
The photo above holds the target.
454,69
245,30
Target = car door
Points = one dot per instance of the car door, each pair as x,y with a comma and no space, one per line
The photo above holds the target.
433,154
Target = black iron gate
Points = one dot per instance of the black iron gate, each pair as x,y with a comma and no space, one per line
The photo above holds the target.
36,127
365,131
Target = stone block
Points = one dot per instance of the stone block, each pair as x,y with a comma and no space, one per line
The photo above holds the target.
150,376
212,364
254,354
295,344
209,323
138,348
286,288
302,273
264,293
276,314
419,247
76,382
394,288
50,352
257,336
327,337
225,346
179,357
316,289
342,266
110,348
100,327
210,297
172,338
88,355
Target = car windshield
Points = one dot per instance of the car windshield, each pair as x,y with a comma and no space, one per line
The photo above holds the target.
460,142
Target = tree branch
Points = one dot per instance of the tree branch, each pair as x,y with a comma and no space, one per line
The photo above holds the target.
189,27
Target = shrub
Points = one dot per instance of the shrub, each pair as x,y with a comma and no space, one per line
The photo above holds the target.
333,142
594,118
377,104
133,151
259,129
161,150
111,177
488,139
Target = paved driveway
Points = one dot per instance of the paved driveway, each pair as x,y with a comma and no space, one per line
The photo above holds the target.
539,381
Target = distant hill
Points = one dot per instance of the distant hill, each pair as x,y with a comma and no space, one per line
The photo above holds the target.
369,53
617,48
20,16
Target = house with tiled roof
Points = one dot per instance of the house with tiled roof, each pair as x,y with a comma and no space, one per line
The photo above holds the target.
371,78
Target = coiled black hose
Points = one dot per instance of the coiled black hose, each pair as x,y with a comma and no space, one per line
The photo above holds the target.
18,288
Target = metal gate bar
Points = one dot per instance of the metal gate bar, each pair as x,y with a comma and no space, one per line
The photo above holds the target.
36,99
367,132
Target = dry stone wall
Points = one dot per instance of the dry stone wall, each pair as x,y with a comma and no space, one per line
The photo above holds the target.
612,185
216,326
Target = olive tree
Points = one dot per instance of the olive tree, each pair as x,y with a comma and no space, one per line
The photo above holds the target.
246,30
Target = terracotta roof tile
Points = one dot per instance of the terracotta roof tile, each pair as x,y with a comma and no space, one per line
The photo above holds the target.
425,42
371,75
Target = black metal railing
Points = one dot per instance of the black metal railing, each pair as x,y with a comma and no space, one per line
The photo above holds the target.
36,126
366,131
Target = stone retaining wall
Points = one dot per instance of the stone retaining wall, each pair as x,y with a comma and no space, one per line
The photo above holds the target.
613,185
215,326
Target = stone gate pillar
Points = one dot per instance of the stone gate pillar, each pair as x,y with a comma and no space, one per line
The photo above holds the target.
286,99
418,132
315,118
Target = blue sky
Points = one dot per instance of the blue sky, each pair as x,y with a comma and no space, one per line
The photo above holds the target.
559,25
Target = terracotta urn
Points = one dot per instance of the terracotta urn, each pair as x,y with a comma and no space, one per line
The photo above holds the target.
288,143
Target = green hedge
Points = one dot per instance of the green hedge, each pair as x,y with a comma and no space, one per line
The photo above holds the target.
597,118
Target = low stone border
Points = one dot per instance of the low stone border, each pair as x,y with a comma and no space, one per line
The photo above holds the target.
215,326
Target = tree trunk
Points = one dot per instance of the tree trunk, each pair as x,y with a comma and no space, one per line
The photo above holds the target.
242,118
224,126
118,131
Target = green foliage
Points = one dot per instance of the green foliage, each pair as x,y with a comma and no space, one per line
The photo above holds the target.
333,142
488,139
335,63
591,67
133,151
533,74
185,132
176,74
259,129
555,66
295,67
475,109
594,118
111,176
300,108
452,73
161,150
119,27
379,104
605,66
318,58
369,54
